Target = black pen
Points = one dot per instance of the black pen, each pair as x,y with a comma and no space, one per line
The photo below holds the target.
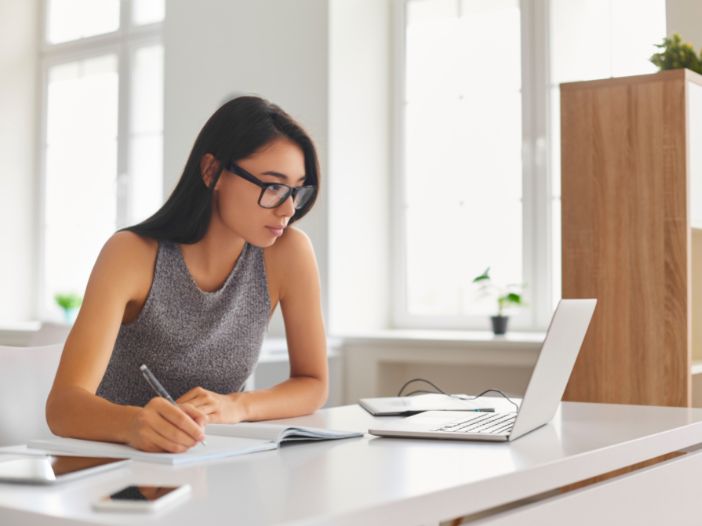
156,386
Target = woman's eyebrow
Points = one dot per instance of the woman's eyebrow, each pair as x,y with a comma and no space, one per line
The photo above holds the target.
283,176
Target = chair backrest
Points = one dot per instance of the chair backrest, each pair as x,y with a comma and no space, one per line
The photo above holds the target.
26,375
49,333
33,334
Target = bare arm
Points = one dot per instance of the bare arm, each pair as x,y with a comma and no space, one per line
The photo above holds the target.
307,388
295,271
73,409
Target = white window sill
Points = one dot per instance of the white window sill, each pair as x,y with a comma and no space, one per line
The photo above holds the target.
444,339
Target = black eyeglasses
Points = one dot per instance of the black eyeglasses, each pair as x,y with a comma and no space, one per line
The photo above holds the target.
275,194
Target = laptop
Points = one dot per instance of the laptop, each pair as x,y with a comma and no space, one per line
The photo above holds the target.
548,381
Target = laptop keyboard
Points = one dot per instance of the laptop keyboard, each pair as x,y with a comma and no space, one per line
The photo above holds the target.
485,423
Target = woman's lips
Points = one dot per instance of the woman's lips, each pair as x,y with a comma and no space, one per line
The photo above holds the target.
277,231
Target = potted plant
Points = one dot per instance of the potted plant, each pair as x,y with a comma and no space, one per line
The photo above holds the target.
69,303
676,54
507,296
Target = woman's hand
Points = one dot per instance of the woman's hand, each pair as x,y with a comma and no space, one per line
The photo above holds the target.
219,408
161,426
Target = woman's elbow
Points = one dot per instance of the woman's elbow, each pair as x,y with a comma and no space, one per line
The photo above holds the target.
323,392
55,418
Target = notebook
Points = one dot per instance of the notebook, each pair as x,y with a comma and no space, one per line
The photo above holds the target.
543,394
223,440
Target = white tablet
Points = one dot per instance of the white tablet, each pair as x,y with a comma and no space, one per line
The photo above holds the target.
52,469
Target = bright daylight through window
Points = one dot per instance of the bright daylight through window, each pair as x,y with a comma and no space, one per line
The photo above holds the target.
102,132
479,141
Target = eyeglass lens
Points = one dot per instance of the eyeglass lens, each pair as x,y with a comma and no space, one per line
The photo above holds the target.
275,195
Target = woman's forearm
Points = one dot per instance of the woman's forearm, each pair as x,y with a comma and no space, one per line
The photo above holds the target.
300,395
77,413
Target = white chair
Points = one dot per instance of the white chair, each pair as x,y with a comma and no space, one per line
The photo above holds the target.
26,375
33,333
50,333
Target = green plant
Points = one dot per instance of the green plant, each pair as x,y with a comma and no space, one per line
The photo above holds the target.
68,300
677,54
507,295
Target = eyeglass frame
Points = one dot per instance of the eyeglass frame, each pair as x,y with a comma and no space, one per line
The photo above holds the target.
291,191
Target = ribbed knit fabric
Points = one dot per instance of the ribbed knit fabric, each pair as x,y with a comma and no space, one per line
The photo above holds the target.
188,337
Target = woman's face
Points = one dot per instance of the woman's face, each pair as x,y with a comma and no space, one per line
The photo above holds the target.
236,199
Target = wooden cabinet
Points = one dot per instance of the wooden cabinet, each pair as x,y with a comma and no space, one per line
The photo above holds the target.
631,159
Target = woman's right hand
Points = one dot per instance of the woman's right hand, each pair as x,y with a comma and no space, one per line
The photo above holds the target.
161,426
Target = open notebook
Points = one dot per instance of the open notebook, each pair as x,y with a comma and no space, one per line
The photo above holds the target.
223,440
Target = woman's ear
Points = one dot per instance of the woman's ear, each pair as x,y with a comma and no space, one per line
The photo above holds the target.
209,166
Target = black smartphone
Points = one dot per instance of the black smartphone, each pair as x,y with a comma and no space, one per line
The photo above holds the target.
142,498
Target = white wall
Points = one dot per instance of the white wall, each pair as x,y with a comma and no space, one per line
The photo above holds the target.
18,166
276,49
685,17
360,73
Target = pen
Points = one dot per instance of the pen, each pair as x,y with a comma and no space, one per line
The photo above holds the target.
156,386
482,410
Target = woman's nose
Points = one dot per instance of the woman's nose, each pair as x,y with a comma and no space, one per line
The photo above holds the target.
287,207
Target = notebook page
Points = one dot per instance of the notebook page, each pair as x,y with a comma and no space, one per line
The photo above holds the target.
216,447
277,432
259,431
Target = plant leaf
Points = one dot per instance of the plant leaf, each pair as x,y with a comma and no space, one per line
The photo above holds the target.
68,300
513,297
485,276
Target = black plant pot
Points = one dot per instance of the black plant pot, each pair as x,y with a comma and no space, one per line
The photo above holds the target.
499,324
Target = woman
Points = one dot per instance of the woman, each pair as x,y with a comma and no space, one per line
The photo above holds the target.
189,292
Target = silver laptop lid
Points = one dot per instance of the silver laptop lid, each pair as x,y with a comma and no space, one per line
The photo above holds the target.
548,381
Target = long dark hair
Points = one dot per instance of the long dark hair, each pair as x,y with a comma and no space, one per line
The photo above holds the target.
236,130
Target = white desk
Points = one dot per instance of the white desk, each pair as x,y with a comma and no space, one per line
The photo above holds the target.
383,481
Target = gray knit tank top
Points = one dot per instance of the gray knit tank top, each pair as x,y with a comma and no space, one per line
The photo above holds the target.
190,338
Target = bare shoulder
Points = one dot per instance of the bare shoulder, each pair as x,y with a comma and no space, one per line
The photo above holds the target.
127,240
293,247
130,249
128,258
290,261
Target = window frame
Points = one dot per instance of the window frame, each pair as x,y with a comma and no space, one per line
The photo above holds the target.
123,43
536,179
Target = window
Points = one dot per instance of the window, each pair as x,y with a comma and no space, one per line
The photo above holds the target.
102,131
478,178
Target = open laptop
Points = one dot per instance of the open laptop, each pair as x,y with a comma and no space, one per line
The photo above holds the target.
548,381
